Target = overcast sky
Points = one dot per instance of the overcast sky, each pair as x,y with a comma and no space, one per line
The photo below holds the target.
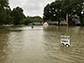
30,7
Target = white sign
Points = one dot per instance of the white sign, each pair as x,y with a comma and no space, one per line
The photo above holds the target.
65,40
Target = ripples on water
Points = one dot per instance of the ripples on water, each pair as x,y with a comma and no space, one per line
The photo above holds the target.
41,45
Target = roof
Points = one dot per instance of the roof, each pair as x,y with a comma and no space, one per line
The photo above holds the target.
52,23
63,22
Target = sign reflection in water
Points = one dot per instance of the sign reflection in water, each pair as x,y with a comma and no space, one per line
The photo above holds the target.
41,45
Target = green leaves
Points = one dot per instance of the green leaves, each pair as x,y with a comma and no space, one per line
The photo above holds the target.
3,7
53,11
17,15
72,7
59,9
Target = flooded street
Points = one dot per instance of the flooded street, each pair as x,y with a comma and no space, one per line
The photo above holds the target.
41,45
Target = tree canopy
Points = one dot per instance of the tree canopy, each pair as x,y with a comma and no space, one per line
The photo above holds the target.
53,11
3,7
72,7
60,8
17,15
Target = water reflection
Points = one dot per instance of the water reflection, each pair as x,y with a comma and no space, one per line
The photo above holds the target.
41,45
3,46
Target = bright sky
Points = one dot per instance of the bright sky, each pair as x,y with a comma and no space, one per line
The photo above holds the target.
30,7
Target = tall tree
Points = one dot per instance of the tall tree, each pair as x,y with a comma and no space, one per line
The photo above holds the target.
53,11
8,17
46,12
66,6
17,15
3,7
73,7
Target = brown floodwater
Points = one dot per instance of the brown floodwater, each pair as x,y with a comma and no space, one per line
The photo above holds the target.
41,45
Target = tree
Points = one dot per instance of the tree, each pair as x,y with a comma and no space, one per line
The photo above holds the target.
73,7
3,7
46,12
65,6
17,15
53,11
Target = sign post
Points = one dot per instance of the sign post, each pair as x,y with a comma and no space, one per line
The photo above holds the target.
65,40
67,17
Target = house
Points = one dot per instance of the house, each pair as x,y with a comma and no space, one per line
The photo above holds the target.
74,21
45,25
63,23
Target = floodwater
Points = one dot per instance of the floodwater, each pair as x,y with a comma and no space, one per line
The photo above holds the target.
41,45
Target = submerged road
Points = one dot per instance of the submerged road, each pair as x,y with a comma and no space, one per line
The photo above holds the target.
41,45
